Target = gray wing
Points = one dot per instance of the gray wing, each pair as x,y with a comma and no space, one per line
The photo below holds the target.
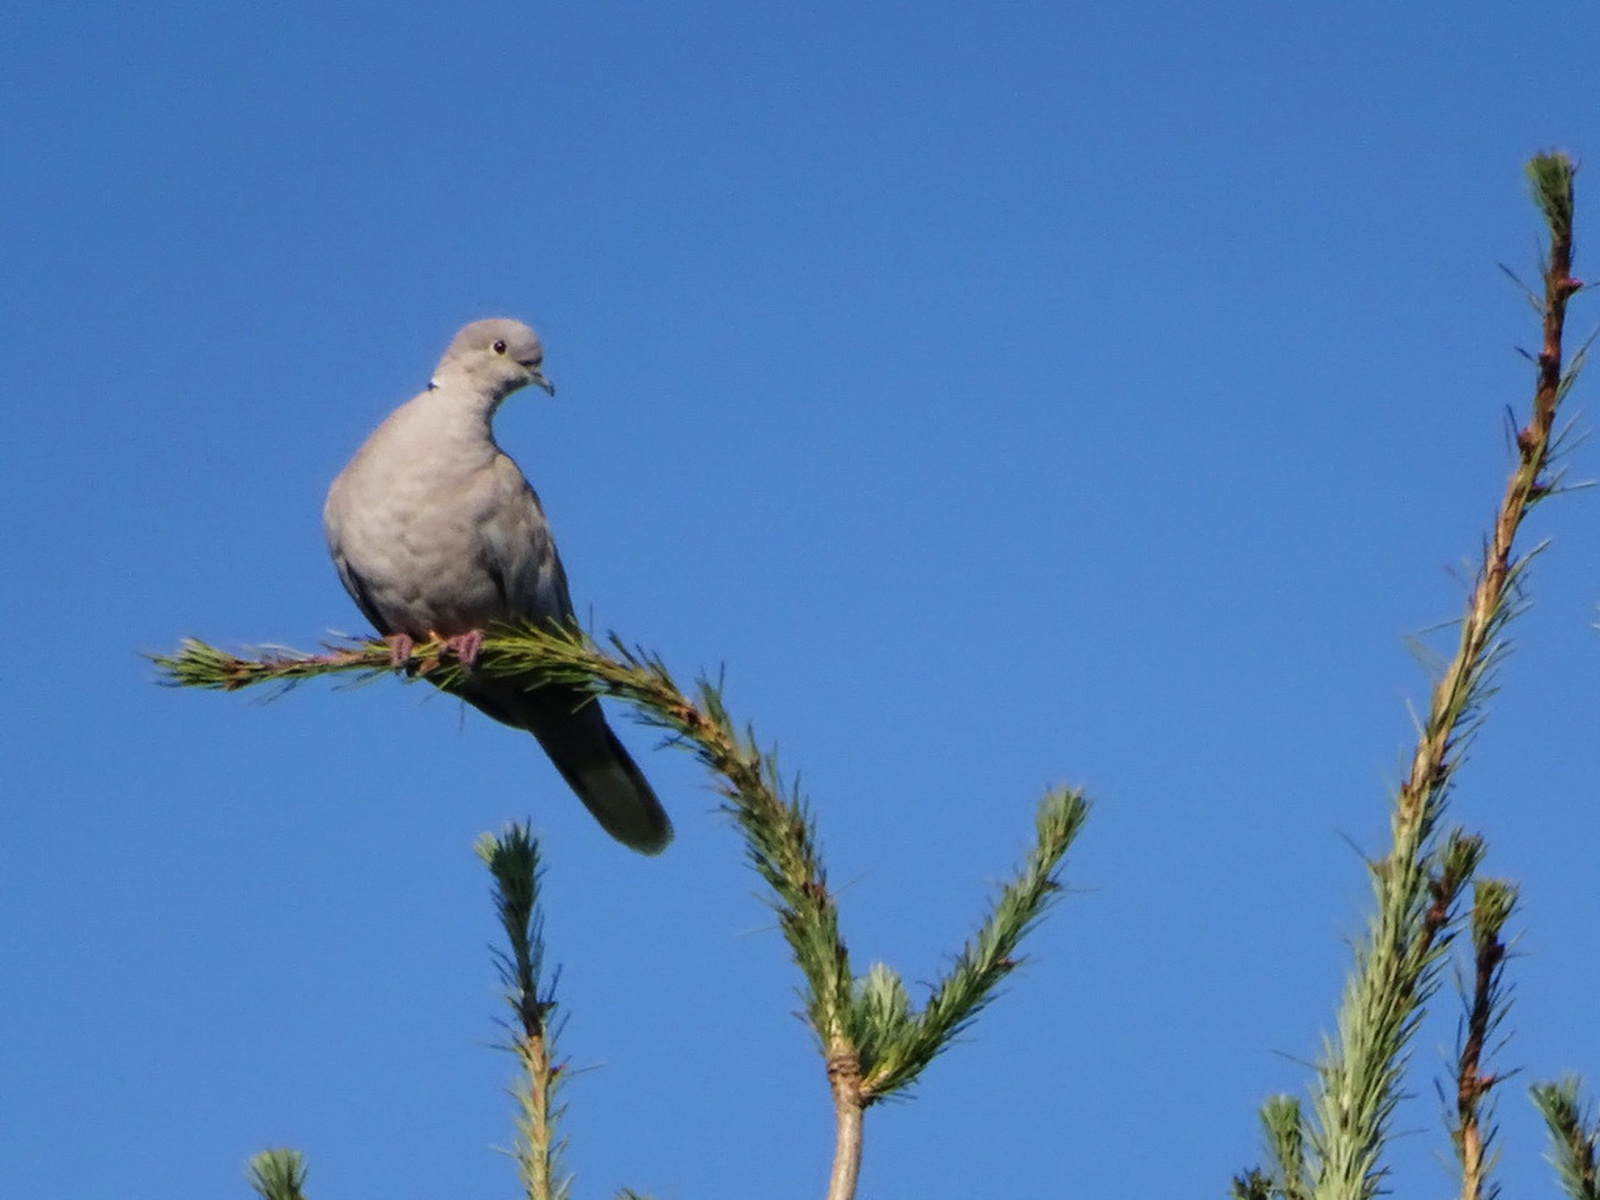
520,554
359,592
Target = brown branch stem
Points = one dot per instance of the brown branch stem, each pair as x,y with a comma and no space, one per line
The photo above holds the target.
533,1049
1471,1084
1430,766
850,1101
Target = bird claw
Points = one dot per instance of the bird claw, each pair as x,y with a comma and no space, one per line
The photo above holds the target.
400,648
465,646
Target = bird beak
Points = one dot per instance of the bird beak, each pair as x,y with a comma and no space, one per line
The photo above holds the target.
539,380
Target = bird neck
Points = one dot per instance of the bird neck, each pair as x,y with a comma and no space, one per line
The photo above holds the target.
488,383
456,406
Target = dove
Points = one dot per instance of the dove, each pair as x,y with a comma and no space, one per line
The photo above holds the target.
436,533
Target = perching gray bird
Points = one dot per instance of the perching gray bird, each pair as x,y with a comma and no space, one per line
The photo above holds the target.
436,533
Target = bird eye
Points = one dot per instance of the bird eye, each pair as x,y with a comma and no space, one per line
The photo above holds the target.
500,347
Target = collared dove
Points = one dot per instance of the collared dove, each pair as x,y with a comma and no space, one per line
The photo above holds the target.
436,533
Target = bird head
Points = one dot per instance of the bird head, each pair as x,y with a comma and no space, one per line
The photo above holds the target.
498,356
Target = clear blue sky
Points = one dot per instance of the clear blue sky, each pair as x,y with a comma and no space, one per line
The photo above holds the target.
1086,393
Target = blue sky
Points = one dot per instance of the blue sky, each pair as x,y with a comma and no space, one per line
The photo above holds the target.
1090,394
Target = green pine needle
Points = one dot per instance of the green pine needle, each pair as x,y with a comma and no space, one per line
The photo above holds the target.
278,1174
1573,1137
1550,179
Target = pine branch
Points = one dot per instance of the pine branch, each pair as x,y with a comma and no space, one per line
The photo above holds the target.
871,1042
1573,1138
1473,1132
1418,882
902,1045
1394,974
513,860
197,665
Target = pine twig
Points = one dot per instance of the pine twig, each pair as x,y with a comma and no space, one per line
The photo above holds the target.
1284,1127
1472,1132
901,1053
278,1174
1417,883
198,665
513,860
1573,1138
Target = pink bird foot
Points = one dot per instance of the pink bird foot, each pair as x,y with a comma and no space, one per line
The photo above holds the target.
465,646
400,648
